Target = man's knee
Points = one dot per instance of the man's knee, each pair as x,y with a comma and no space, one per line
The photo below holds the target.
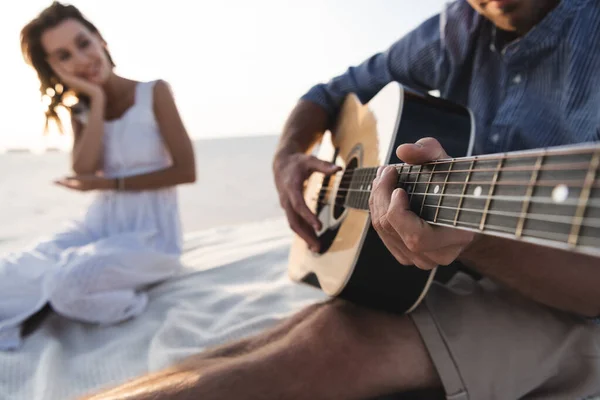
342,341
342,327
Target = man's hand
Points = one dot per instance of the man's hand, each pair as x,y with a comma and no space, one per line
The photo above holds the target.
291,171
409,238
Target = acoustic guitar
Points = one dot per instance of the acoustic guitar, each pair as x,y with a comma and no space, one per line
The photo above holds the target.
549,197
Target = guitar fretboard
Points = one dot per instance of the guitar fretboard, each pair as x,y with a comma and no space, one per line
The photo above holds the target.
553,196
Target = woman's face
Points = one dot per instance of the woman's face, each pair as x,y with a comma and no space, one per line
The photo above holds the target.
77,51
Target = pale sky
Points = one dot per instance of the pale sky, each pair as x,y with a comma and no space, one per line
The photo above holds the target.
236,67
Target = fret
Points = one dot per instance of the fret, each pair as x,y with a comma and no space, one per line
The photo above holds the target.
353,187
427,189
415,186
357,193
400,181
367,187
446,205
490,194
356,188
372,175
589,236
342,186
556,194
526,202
362,187
462,195
369,176
583,199
418,189
409,184
441,196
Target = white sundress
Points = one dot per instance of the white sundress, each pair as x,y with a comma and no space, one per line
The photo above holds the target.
95,271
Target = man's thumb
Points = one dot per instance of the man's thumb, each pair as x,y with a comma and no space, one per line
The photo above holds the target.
323,166
424,150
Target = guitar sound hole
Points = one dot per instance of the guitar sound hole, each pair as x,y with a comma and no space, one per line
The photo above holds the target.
327,238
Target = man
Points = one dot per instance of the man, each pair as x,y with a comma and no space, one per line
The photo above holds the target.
529,71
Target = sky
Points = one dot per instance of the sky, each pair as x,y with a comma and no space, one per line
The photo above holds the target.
236,67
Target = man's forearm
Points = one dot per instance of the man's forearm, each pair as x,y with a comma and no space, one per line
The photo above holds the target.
557,278
304,127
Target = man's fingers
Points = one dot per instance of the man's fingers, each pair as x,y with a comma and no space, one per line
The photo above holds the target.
424,263
303,229
315,164
424,150
379,200
297,202
418,235
446,255
396,246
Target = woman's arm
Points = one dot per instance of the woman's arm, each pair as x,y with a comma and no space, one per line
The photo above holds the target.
88,147
176,140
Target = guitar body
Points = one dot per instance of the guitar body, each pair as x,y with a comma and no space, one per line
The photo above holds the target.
353,263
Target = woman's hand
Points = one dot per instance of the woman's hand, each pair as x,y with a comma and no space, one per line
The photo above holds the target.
75,83
85,183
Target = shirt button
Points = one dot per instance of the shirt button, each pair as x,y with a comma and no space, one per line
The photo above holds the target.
517,78
495,138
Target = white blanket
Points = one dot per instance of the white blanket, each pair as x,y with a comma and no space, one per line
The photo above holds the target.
235,284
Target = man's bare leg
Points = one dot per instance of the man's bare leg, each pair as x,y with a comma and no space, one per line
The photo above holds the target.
252,343
198,363
339,351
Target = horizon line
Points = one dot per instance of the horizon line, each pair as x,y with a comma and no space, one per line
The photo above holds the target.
56,149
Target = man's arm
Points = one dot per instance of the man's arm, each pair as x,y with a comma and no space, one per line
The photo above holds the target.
414,61
421,60
556,278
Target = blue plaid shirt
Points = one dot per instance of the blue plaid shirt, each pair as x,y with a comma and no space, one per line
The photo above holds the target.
540,90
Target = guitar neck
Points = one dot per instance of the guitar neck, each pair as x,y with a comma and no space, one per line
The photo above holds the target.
550,197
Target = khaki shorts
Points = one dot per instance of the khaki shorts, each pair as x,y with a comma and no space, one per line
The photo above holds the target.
490,343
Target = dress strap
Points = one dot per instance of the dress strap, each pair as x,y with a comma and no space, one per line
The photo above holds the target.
144,95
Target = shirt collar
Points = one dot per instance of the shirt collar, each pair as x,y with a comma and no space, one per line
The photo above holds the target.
546,34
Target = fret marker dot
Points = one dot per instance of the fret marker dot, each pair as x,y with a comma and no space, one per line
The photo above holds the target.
361,187
436,189
369,187
477,192
560,193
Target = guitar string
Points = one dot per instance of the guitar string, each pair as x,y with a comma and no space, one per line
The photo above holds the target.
566,203
350,173
498,227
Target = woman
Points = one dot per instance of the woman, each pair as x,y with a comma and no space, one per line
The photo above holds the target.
130,146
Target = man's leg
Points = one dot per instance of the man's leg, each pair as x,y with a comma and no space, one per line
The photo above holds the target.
341,352
336,351
198,363
254,342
